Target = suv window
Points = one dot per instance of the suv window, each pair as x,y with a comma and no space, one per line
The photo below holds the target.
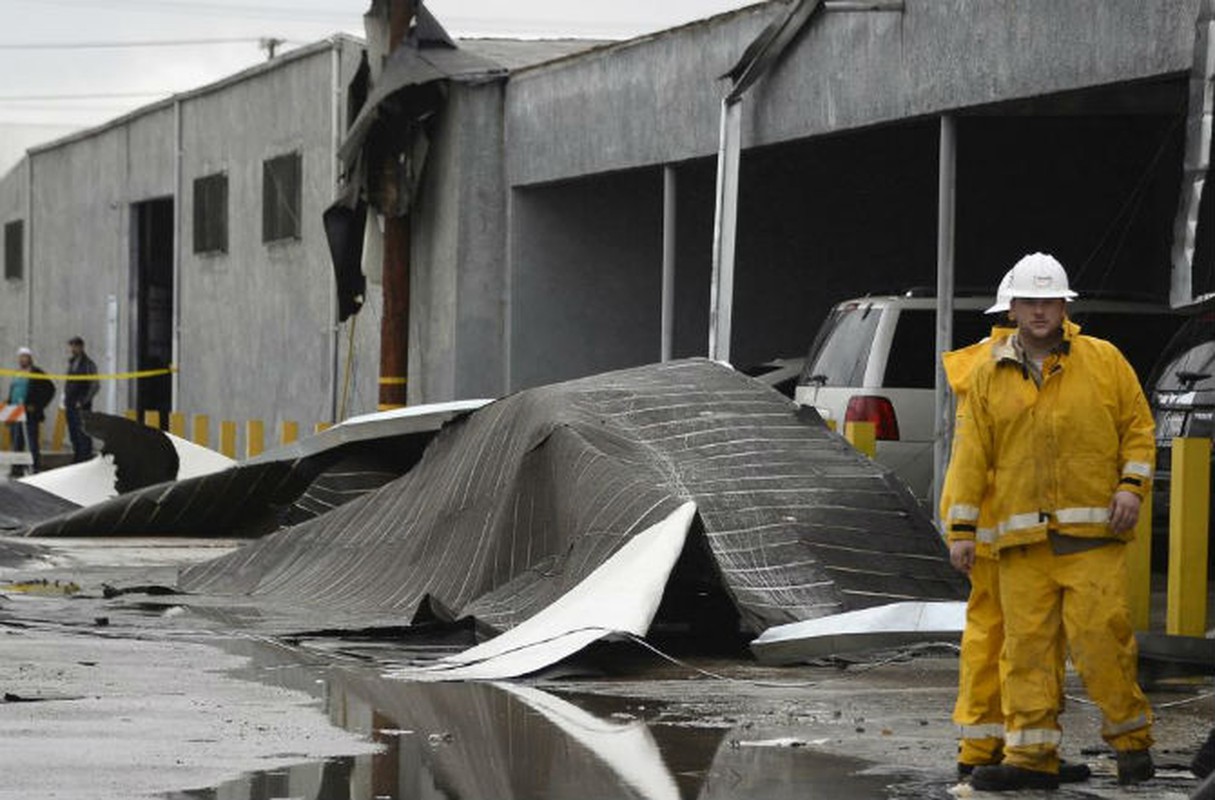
911,363
840,354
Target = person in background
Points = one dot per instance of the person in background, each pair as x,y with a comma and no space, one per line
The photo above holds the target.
35,394
77,397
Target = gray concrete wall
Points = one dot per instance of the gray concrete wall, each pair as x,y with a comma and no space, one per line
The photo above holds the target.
656,100
81,242
457,321
255,333
13,311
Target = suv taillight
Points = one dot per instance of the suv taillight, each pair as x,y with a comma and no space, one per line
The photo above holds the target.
875,409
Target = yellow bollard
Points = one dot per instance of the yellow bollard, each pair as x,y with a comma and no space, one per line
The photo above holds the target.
831,425
255,438
290,431
6,440
321,426
1139,568
862,436
131,415
59,431
151,418
177,424
1189,512
227,438
202,430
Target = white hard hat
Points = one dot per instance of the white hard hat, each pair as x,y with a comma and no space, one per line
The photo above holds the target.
1039,275
1003,295
25,351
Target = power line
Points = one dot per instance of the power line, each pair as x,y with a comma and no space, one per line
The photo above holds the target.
8,123
211,9
120,45
18,98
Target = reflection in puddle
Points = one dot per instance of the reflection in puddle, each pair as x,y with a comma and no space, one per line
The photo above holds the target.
480,741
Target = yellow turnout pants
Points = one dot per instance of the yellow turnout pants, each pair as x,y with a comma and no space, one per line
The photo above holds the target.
1084,595
977,712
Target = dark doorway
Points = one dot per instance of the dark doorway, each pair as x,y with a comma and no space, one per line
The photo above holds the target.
151,303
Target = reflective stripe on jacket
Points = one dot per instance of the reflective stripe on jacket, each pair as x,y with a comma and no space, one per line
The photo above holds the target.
1055,454
977,524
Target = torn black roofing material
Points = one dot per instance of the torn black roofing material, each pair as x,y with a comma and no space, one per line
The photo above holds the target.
22,504
519,502
279,487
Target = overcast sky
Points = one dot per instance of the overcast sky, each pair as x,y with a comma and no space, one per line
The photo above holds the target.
45,93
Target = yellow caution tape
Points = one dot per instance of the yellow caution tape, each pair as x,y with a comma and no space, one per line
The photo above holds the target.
391,381
112,376
42,587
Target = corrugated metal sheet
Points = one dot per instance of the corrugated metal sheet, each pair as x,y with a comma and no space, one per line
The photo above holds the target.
519,502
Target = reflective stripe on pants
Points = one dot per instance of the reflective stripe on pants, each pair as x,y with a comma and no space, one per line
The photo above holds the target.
977,711
1084,595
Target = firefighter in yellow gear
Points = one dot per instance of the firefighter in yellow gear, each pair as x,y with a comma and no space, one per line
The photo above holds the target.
977,711
1058,440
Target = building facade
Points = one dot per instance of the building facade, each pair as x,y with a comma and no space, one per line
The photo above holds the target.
188,233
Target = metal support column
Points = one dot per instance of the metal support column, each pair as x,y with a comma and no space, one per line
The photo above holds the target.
725,225
946,203
668,262
28,249
175,358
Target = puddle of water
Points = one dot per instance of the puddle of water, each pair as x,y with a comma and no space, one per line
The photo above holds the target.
480,741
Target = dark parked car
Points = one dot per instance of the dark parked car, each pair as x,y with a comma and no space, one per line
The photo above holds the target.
1182,394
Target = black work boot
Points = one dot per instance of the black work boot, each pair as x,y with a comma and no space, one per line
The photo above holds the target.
1135,766
1007,778
1074,773
1068,773
1204,760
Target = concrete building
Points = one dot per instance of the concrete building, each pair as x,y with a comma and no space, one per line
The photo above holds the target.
550,187
1070,120
188,232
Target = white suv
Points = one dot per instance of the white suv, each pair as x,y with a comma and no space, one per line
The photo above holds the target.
874,359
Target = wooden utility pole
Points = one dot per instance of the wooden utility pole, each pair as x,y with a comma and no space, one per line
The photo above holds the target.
396,16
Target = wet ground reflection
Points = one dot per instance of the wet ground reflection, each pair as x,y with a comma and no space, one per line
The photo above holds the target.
480,741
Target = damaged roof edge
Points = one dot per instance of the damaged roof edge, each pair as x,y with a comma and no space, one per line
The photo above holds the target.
336,41
646,38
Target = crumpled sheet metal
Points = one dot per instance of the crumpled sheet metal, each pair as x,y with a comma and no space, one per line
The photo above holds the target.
240,501
22,504
512,507
287,485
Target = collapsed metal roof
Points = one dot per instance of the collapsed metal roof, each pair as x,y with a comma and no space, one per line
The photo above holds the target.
513,506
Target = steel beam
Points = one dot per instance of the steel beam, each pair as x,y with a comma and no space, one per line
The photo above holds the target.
668,261
942,428
725,225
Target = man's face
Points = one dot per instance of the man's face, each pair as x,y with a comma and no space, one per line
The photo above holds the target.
75,348
1038,319
24,361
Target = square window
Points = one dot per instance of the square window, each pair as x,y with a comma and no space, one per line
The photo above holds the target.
281,197
14,250
211,214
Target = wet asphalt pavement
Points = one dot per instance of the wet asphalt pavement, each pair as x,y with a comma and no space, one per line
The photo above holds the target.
141,696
